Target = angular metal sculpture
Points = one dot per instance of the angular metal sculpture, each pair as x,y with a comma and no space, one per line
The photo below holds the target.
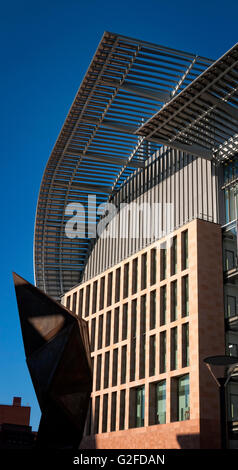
58,357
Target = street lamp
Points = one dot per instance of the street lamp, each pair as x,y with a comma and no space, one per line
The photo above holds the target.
221,369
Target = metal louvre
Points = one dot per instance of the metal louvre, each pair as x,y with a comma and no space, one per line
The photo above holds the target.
97,149
202,119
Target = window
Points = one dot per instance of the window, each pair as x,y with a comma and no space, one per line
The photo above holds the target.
113,411
234,406
152,355
124,321
230,306
74,302
102,293
89,419
134,275
153,266
96,414
185,296
174,301
185,345
93,327
87,302
122,409
116,325
163,303
233,349
109,289
161,402
143,271
123,364
174,349
185,249
108,330
118,285
68,302
183,398
152,310
229,260
95,289
106,369
142,336
80,307
114,367
98,374
100,329
163,261
174,256
140,406
162,352
104,415
126,281
133,339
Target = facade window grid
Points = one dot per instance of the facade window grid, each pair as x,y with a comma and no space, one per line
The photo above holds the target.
110,375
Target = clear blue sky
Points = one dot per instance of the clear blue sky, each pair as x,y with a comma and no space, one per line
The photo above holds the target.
46,48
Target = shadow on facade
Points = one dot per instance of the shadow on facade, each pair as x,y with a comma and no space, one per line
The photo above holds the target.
189,441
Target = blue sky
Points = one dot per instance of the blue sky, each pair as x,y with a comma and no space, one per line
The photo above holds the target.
46,48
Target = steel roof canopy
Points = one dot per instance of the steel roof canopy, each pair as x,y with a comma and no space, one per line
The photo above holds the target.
202,119
97,148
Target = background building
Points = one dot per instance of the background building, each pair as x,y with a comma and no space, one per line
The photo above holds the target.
149,125
15,429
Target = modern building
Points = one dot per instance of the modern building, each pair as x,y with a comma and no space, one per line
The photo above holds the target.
153,132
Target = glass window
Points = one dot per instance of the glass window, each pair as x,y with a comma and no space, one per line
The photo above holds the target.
140,406
185,296
163,304
163,261
183,398
143,271
234,406
233,349
174,257
134,275
162,352
174,349
230,247
152,355
231,306
152,310
126,280
174,301
161,402
185,249
185,345
153,266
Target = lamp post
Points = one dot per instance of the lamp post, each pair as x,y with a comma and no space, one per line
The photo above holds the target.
228,363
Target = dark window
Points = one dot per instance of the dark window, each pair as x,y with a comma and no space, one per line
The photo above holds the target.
174,257
74,302
152,310
80,307
113,411
126,281
185,249
108,329
106,369
93,327
96,414
87,302
163,305
118,285
153,266
100,330
143,271
116,325
98,373
142,336
114,367
102,293
152,355
162,352
163,261
104,416
174,301
133,339
185,345
109,289
134,275
174,349
124,321
95,289
123,364
140,406
185,296
68,302
122,409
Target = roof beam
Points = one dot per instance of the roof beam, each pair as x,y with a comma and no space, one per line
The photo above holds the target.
220,103
98,188
111,160
195,150
139,91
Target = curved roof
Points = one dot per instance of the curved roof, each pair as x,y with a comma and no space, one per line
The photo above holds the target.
126,83
202,119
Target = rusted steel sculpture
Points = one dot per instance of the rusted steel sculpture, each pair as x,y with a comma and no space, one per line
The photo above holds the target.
58,357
